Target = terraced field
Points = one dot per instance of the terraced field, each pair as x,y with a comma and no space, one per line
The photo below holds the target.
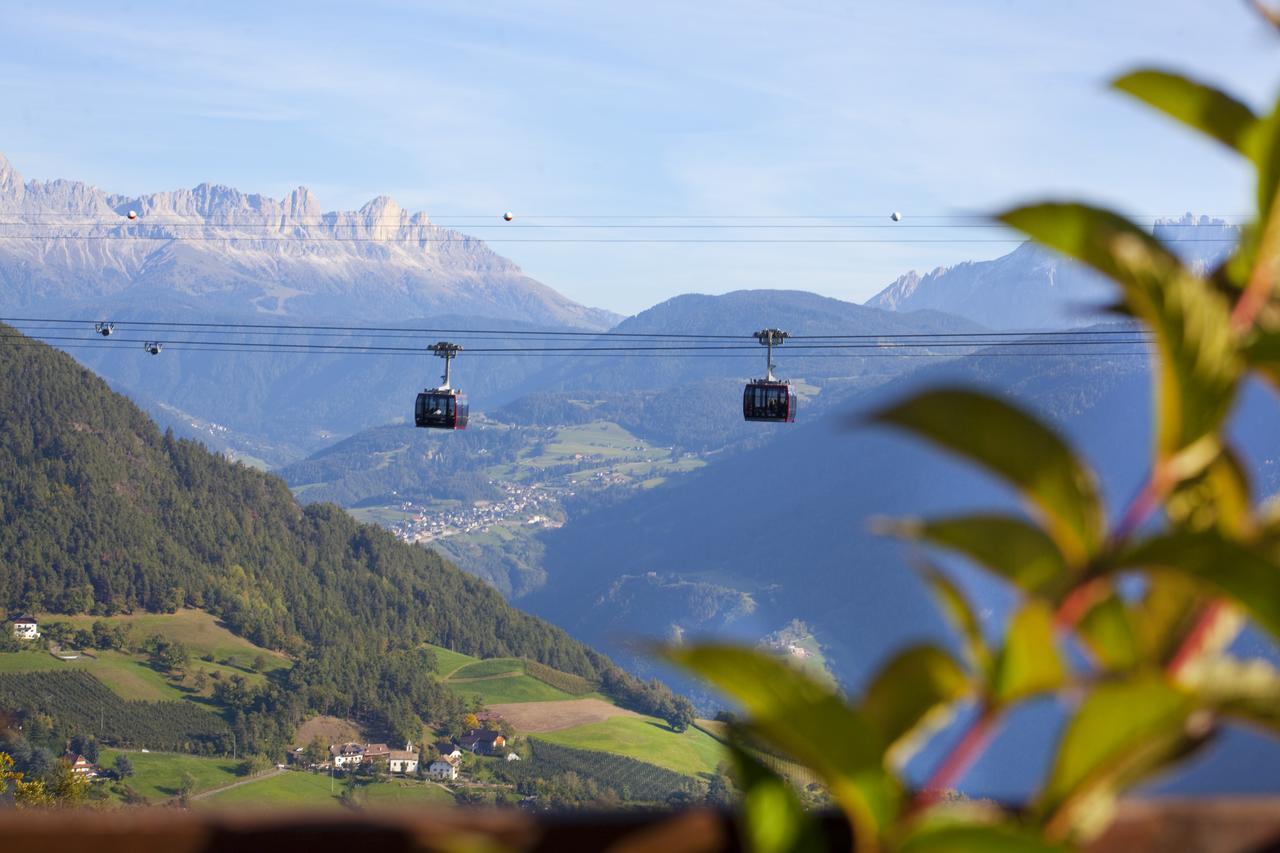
500,681
503,689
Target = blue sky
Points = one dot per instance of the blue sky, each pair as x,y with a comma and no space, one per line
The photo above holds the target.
610,109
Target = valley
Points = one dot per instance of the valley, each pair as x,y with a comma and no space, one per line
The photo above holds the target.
620,499
485,508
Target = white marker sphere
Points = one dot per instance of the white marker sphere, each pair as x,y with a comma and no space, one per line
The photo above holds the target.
896,216
508,216
133,214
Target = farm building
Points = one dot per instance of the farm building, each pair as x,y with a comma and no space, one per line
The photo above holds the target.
481,741
80,765
26,628
444,769
346,755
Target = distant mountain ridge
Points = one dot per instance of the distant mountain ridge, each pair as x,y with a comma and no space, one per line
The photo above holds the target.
218,249
1033,288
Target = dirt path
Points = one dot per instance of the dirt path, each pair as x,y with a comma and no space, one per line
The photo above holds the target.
219,790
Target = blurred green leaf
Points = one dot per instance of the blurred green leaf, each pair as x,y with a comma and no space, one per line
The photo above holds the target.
1247,690
1196,105
805,719
916,682
1264,148
1121,732
1098,238
1233,273
1263,354
1250,578
967,838
771,817
1017,447
1218,497
1165,613
958,612
1107,629
1199,365
1017,551
1029,663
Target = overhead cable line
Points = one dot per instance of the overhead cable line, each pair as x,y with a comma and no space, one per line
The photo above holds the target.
614,240
800,348
417,353
137,225
331,216
573,333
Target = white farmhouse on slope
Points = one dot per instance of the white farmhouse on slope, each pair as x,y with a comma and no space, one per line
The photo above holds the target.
444,768
26,628
346,755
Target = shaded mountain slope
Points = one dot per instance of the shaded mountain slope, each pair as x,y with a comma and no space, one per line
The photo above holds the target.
104,514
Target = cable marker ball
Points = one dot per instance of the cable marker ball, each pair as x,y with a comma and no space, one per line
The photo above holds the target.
896,217
508,216
133,214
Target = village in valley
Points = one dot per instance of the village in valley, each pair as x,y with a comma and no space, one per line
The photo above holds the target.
536,506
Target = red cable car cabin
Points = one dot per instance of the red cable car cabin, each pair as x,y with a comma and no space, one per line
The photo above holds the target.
438,409
769,401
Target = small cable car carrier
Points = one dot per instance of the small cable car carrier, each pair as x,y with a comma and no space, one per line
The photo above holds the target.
770,398
442,407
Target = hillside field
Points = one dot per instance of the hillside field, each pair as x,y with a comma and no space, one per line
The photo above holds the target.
199,631
449,661
298,789
132,677
128,676
158,775
536,717
507,689
648,739
498,681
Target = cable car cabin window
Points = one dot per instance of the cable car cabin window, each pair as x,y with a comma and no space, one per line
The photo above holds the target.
441,410
768,401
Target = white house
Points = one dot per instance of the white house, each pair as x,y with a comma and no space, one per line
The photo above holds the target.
444,768
403,760
511,756
346,755
25,628
80,765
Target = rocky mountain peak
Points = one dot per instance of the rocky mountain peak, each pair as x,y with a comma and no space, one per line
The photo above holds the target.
383,212
898,291
302,203
225,250
10,180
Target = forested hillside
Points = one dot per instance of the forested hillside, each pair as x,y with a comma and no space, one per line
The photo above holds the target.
104,514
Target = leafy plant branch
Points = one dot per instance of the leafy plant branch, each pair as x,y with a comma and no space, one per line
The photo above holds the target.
1158,680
